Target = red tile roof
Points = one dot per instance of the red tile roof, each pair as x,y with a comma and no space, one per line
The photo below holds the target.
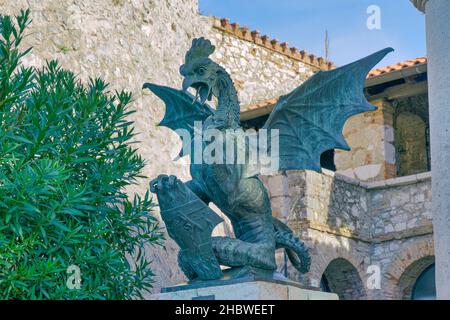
397,66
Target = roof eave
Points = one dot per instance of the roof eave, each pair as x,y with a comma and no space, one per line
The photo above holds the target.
397,74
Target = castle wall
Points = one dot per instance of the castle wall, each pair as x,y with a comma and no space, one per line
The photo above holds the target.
321,200
386,224
401,260
401,206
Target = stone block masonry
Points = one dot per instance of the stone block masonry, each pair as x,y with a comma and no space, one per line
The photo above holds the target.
272,44
351,225
371,137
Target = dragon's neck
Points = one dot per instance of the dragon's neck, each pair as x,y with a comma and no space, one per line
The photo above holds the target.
228,109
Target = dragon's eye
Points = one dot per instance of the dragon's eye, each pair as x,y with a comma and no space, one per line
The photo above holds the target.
201,71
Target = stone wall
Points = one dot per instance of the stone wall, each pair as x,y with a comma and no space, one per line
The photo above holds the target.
371,138
349,222
391,141
319,199
401,262
401,205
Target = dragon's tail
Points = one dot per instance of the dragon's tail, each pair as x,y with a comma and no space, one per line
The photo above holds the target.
296,250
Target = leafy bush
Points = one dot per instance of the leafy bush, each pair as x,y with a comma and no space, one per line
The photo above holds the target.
65,159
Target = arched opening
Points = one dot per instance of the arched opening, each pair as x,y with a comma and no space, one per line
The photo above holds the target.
342,278
411,144
417,281
425,286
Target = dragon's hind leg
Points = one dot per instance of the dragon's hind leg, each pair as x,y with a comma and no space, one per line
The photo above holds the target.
249,210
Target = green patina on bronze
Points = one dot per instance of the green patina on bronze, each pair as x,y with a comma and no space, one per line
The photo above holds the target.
310,120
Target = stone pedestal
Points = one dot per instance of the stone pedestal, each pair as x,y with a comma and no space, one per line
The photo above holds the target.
438,48
248,290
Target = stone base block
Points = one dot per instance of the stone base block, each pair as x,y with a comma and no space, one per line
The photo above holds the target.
253,290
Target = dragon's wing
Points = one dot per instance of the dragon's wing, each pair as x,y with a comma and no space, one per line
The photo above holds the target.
310,119
181,112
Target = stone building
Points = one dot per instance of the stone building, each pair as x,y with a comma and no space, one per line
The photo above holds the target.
369,209
372,215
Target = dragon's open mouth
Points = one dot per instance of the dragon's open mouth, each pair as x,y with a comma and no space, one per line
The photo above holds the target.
203,92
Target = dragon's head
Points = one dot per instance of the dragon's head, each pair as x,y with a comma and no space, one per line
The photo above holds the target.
200,72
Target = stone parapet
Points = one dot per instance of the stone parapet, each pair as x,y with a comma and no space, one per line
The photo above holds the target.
365,211
254,36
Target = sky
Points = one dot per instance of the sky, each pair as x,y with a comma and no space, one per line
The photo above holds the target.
302,23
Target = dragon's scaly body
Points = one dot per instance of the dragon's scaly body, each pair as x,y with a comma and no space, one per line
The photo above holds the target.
310,121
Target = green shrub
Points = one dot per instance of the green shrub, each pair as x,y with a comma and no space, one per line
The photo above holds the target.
65,159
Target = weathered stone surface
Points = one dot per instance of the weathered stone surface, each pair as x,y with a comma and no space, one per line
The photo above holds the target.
365,224
371,138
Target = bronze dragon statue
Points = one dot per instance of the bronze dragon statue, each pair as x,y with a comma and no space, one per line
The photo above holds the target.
309,121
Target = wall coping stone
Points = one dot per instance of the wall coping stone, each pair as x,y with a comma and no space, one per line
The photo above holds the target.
394,182
347,233
400,181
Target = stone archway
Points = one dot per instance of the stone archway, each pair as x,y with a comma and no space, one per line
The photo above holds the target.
342,278
411,274
327,248
406,267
